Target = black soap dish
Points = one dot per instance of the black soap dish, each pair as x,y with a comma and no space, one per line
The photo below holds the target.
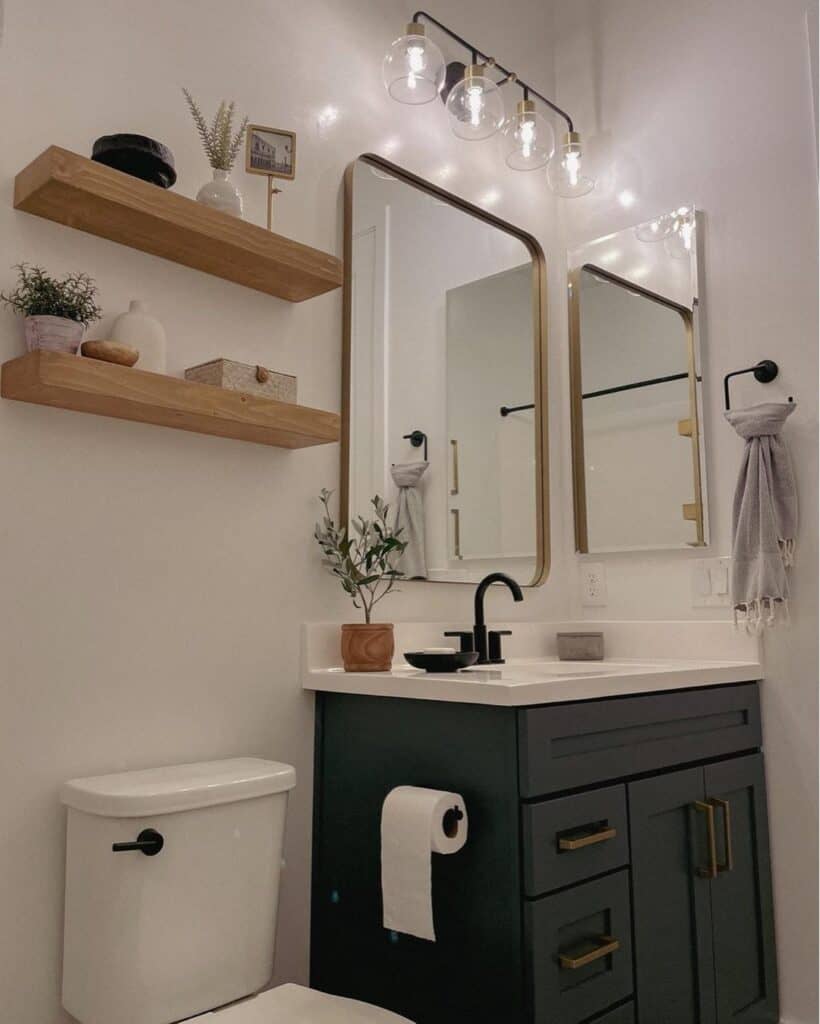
441,661
138,156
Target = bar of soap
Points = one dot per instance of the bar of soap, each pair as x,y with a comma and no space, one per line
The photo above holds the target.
438,650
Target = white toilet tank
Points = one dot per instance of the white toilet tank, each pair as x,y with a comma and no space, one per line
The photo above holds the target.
154,937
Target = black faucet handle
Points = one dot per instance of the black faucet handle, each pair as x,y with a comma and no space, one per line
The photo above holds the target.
465,637
494,645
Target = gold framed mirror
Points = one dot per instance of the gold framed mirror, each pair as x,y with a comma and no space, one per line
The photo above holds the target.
444,380
635,382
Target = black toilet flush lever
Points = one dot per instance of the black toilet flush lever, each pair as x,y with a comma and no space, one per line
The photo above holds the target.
149,842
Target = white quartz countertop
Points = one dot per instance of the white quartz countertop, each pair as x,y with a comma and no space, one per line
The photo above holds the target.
534,675
520,683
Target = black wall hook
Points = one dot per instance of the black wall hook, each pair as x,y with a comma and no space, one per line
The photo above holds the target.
765,372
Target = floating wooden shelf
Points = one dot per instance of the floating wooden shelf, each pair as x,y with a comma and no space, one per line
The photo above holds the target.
73,190
88,385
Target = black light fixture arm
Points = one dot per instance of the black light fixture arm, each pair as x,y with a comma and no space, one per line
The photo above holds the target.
509,76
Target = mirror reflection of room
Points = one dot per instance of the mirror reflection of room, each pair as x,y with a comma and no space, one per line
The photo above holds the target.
639,479
443,380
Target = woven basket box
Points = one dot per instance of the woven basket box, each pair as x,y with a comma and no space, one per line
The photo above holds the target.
256,380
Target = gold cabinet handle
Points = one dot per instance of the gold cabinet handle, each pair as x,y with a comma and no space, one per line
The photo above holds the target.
454,447
603,836
729,863
456,532
709,810
606,946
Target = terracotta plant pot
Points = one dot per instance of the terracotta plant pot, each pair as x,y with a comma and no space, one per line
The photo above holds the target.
55,333
367,647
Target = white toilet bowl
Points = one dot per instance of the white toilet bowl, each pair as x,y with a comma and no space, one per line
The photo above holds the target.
293,1004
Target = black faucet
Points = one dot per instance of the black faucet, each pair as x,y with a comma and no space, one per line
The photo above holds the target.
487,643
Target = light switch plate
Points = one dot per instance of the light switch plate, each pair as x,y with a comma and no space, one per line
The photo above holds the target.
593,584
710,582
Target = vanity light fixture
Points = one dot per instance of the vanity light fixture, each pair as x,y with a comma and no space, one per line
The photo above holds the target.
475,105
413,68
529,141
564,170
675,229
415,72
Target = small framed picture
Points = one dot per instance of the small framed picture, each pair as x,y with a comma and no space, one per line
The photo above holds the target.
270,151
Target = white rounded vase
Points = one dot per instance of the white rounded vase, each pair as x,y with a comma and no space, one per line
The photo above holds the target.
221,194
139,330
55,333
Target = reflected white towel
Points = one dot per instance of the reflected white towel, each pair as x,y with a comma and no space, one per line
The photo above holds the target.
410,518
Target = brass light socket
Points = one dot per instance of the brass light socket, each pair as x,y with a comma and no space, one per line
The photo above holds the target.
525,107
414,28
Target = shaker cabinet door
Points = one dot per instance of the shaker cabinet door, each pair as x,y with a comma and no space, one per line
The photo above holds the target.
670,831
742,917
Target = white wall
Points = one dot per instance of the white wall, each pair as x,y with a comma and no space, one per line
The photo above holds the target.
711,104
154,581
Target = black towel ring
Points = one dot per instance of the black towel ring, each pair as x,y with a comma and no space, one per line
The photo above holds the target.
765,372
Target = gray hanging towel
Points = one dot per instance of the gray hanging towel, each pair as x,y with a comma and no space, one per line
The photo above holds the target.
410,517
764,516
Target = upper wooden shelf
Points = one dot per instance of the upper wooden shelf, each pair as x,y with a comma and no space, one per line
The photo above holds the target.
88,385
73,190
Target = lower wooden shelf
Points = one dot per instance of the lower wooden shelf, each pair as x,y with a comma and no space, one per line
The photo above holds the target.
88,385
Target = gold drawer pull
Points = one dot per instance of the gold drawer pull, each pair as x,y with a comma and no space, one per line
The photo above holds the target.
595,837
607,945
729,863
709,810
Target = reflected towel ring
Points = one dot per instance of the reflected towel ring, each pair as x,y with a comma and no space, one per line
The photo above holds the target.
417,438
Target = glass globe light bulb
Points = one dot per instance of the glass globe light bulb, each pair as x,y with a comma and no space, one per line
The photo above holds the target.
475,105
414,67
564,174
529,140
658,229
681,242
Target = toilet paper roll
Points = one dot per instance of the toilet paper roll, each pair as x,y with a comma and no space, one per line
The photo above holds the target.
416,823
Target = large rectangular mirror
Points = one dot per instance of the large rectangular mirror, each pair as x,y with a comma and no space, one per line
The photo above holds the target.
444,401
635,377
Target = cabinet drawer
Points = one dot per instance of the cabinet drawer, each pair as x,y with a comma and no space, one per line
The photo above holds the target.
573,838
579,947
566,746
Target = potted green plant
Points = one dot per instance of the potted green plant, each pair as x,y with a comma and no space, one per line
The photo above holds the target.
364,565
56,310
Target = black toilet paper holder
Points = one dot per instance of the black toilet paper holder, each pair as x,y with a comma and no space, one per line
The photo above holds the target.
450,821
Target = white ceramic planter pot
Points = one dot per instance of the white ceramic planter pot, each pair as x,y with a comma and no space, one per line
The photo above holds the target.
55,333
221,194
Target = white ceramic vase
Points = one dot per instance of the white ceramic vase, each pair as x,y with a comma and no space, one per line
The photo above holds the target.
138,329
221,194
55,333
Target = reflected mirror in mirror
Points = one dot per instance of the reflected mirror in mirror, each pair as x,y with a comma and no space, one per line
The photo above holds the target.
443,399
636,382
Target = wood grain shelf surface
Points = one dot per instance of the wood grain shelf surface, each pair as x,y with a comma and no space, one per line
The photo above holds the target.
70,189
88,385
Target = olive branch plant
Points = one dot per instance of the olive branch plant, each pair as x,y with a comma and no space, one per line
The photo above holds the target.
221,145
364,562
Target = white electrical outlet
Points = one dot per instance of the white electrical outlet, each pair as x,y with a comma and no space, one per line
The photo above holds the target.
710,583
593,584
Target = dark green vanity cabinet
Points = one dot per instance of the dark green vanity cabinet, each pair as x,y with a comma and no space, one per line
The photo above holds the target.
616,870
